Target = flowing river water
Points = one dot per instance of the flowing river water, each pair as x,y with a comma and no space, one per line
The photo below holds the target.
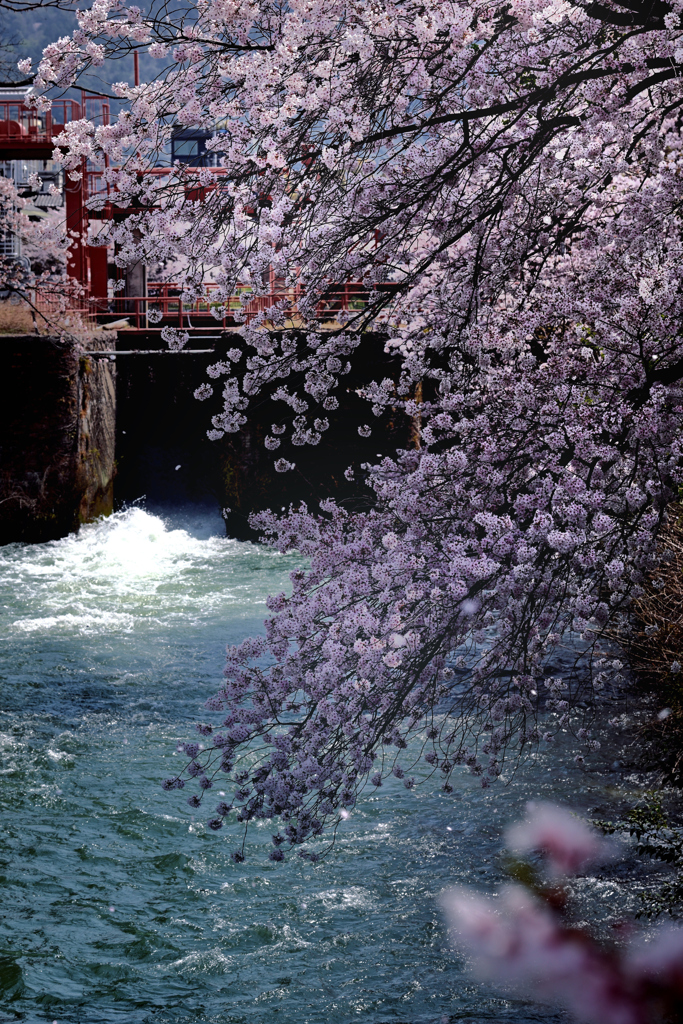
117,905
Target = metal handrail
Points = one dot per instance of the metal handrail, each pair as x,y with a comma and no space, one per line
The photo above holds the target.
22,121
165,297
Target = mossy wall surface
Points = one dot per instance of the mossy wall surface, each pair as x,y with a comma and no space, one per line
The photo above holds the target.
57,419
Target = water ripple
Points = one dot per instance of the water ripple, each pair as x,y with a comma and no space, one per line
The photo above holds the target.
117,906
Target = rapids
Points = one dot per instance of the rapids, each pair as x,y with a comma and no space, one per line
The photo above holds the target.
117,905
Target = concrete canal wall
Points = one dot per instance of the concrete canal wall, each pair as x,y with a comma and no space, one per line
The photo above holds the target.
82,434
57,430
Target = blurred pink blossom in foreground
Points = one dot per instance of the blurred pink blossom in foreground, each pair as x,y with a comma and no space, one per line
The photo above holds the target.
568,843
522,940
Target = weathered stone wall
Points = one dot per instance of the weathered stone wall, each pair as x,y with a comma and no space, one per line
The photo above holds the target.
96,434
57,420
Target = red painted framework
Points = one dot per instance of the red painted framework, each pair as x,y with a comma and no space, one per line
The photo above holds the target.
26,133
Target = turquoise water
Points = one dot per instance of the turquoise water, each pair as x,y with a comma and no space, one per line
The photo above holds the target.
116,905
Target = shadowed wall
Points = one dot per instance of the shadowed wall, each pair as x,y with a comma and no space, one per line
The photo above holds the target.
57,428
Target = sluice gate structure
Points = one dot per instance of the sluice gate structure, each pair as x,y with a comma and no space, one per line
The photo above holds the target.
88,425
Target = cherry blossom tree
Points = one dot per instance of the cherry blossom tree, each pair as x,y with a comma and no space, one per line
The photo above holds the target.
12,275
504,181
43,247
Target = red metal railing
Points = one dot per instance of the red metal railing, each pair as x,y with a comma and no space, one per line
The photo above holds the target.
164,302
25,129
96,187
55,301
20,122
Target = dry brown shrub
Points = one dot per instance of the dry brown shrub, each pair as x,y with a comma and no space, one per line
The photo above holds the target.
68,325
655,649
15,318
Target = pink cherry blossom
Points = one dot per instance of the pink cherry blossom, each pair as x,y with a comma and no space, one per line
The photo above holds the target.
569,844
500,187
659,959
518,942
515,941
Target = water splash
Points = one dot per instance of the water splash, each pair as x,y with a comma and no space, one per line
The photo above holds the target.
130,570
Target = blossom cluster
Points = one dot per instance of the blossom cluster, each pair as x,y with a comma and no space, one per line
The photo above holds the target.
44,248
504,182
529,511
526,940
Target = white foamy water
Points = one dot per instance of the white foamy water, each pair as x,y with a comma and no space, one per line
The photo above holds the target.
132,570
